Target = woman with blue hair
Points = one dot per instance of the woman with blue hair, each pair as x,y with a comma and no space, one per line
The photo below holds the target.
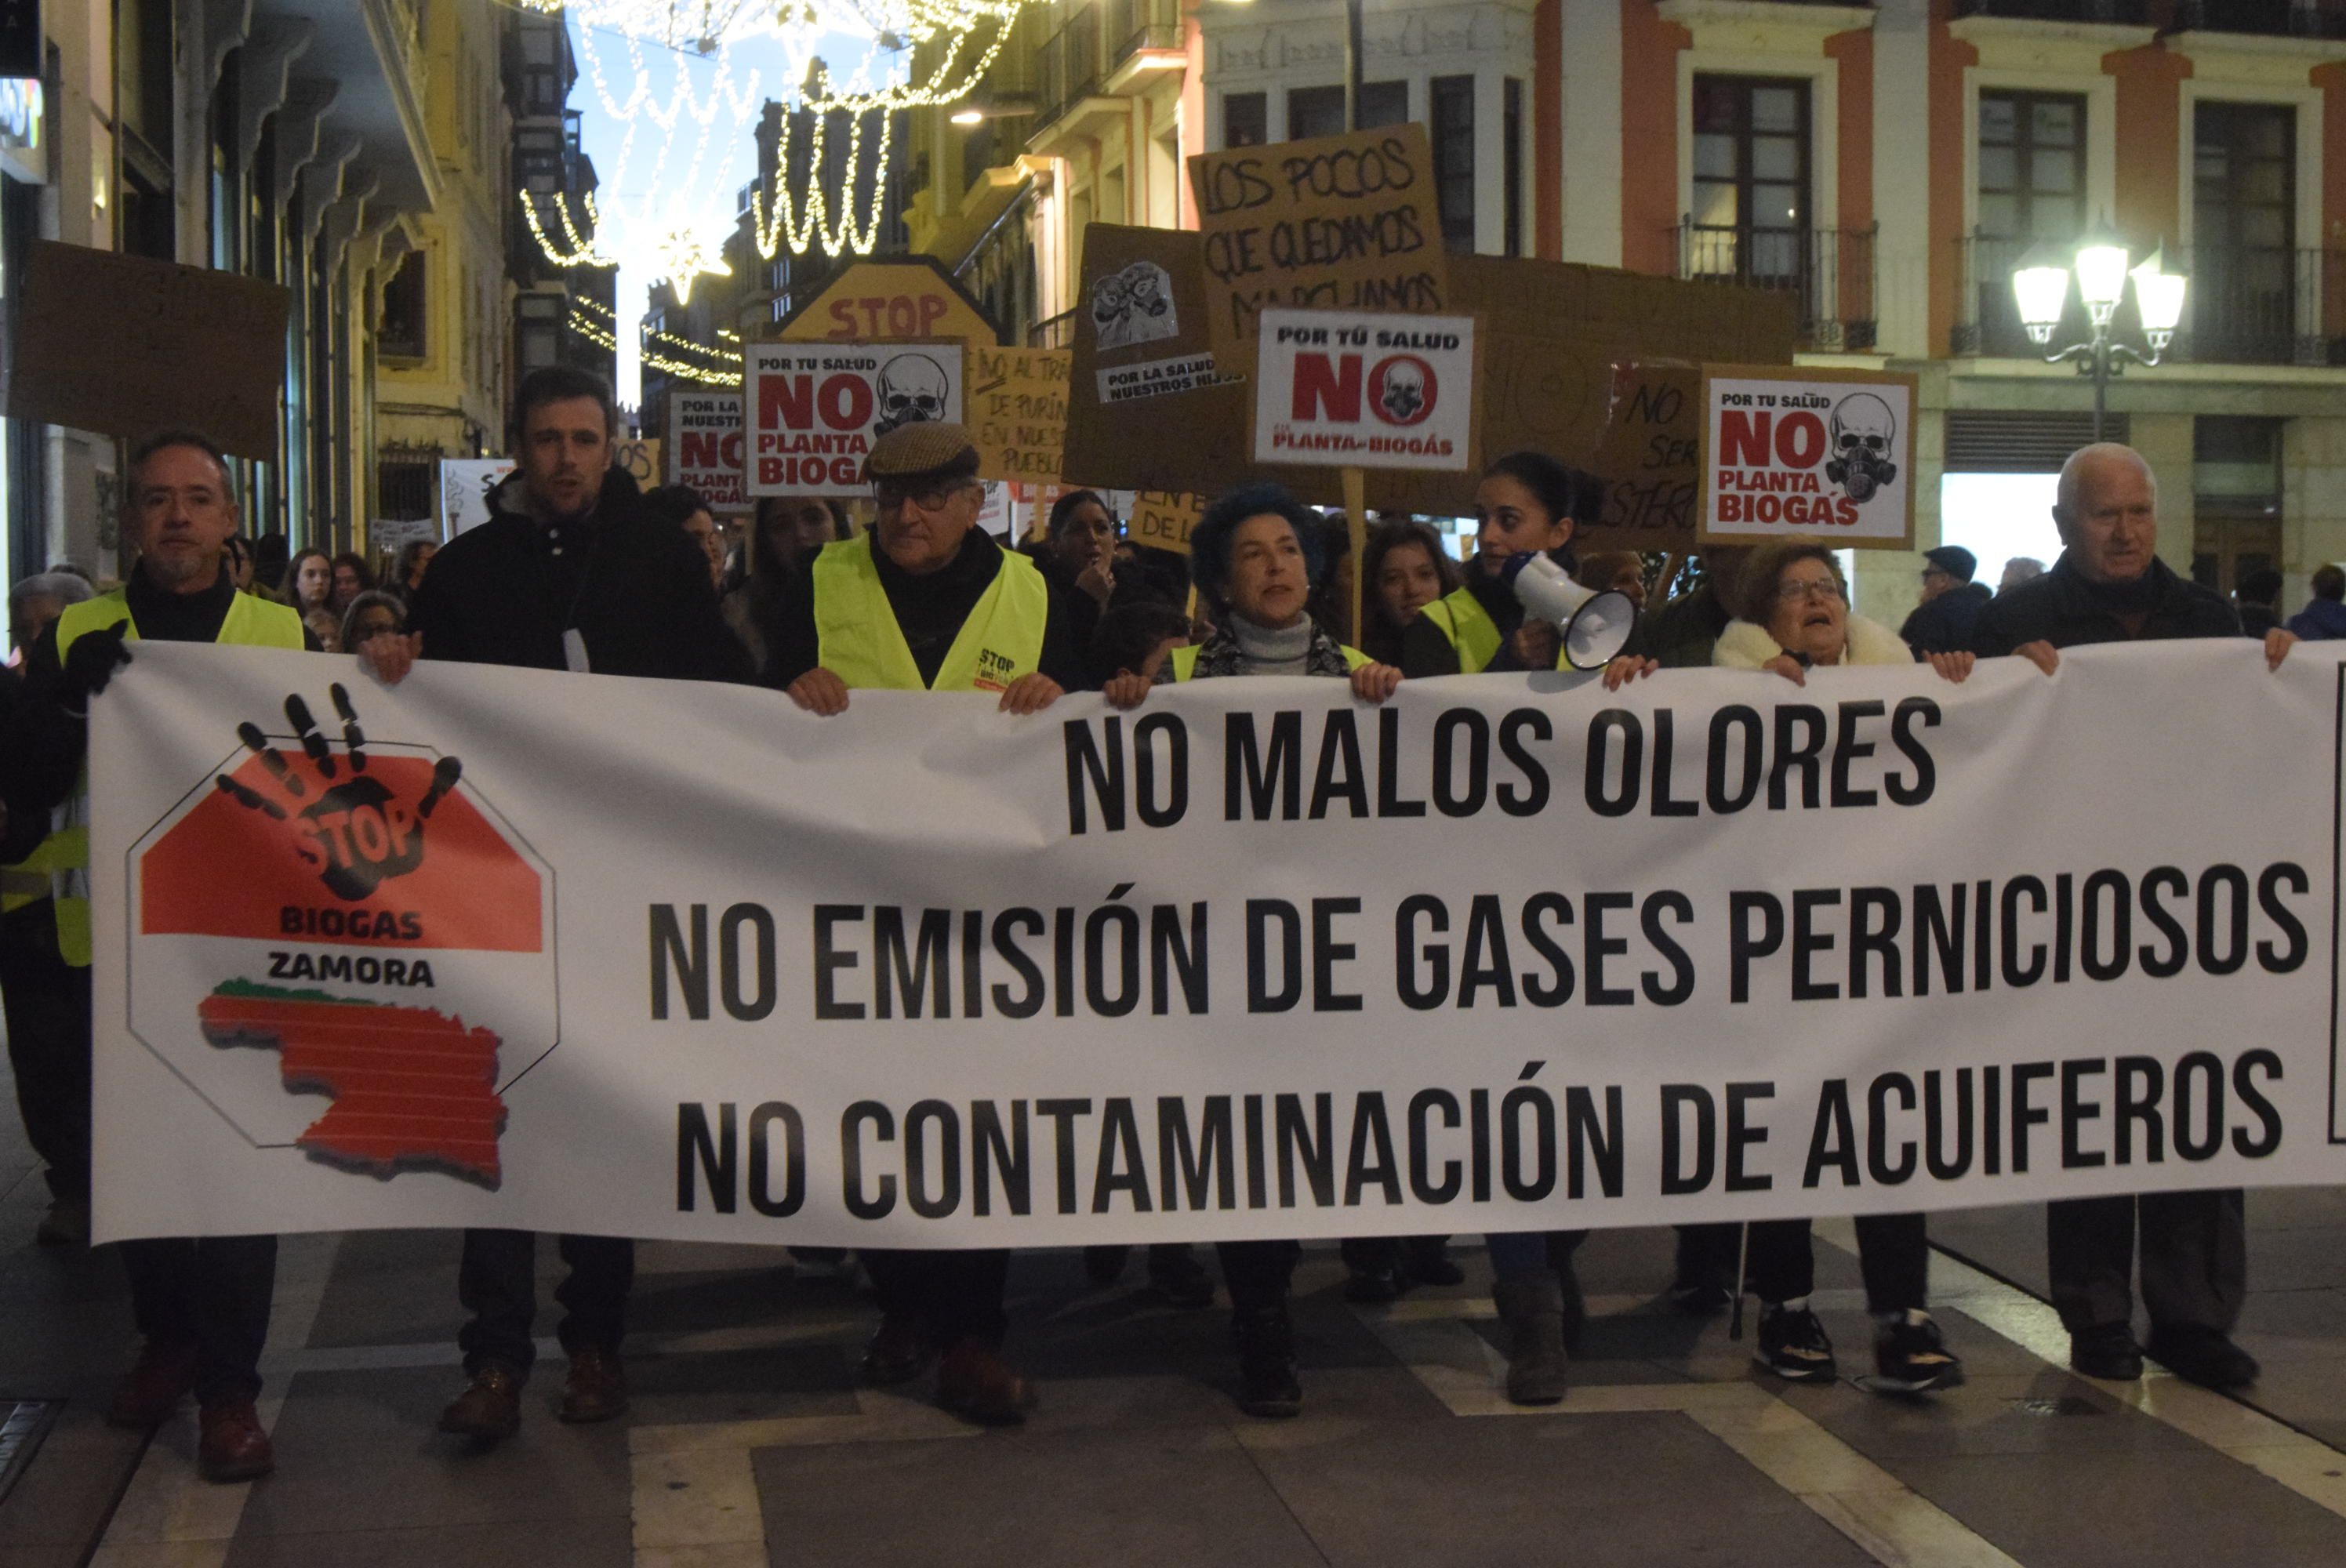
1255,556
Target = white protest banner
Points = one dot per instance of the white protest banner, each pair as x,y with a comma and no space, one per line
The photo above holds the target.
994,511
465,486
815,409
1364,390
1809,451
1258,960
389,535
705,445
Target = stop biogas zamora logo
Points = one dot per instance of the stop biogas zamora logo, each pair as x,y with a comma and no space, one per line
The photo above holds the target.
340,916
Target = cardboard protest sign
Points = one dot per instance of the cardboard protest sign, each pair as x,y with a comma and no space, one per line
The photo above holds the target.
1151,411
889,301
1163,522
816,409
639,459
1365,390
1807,451
706,447
1340,222
123,345
1576,362
1018,411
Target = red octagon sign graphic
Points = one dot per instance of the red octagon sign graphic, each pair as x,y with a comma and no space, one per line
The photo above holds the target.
349,920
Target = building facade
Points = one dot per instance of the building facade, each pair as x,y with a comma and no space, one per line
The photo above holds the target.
1887,164
360,153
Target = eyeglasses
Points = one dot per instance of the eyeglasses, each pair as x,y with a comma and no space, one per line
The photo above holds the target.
938,498
1792,593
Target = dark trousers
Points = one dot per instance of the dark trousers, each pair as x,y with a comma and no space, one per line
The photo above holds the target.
1375,1254
496,1282
1258,1273
1528,1254
46,1004
210,1293
2195,1260
955,1296
1706,1254
1893,1253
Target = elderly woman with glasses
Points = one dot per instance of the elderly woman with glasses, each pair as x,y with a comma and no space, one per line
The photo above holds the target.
1795,617
1796,621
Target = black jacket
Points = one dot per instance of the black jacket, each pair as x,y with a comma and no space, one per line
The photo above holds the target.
2063,608
1682,633
1945,625
635,590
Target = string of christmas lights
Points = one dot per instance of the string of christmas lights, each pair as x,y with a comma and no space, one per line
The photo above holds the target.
665,230
591,319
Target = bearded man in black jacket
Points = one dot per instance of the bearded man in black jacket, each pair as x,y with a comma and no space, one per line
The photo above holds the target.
569,573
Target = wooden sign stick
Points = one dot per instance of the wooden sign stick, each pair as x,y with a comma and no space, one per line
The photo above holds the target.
1356,520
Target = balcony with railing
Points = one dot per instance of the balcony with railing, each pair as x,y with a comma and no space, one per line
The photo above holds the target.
2255,306
2268,19
2245,306
1052,332
2124,13
1104,49
1136,24
1070,67
1827,271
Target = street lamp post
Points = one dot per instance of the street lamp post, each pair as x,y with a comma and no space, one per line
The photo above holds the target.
2040,287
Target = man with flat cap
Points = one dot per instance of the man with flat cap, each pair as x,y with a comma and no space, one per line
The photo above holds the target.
1950,603
925,601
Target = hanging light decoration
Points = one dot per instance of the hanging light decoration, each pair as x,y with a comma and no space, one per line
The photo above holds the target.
663,351
901,53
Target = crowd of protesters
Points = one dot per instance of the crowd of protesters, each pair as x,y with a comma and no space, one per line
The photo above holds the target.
576,569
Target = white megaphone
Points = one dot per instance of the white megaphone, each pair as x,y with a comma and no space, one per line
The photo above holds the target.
1595,626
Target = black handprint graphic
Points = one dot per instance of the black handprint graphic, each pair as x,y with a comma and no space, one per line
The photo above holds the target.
357,831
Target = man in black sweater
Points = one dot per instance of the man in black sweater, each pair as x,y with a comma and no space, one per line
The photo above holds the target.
566,574
2109,585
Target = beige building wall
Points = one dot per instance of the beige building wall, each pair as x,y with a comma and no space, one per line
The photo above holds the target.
452,395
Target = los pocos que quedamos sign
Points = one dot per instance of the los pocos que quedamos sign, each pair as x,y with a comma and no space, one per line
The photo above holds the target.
1362,389
1802,450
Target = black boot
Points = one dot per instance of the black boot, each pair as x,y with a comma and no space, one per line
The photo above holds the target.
1267,1381
1175,1272
1533,1311
1425,1260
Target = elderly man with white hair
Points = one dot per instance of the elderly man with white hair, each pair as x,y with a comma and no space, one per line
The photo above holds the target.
2109,585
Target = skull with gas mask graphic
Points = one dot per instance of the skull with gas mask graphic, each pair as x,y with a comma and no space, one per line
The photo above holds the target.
1864,435
1405,389
911,390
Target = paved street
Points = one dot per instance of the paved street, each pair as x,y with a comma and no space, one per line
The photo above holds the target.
749,1442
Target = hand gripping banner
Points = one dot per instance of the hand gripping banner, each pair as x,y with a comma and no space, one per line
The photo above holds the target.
509,948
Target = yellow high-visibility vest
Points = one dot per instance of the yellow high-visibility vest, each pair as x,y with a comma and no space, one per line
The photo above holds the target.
27,882
251,622
1459,617
858,639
